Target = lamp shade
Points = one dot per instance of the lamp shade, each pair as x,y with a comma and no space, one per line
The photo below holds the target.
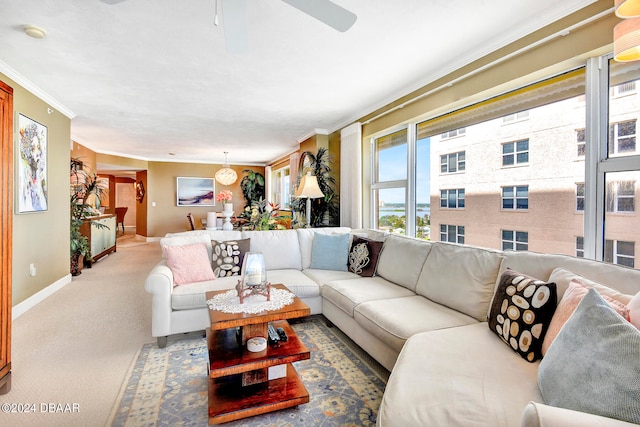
627,8
309,187
626,40
226,175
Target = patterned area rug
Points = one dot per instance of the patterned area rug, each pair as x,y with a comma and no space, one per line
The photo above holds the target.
169,386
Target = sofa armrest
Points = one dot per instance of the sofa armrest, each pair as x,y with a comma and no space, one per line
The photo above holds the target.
541,415
159,283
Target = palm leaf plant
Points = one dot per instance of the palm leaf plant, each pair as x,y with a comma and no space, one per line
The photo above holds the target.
319,164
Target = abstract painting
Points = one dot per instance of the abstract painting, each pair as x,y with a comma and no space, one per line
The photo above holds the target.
195,191
32,166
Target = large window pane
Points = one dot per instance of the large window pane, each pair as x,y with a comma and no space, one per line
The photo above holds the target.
391,157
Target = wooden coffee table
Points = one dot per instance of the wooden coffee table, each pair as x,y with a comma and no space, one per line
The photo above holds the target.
242,383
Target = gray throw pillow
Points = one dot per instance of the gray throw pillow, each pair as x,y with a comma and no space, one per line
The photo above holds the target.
593,365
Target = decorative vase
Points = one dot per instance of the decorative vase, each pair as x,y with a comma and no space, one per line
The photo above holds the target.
227,207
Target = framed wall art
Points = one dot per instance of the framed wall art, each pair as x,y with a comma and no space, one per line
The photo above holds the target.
195,191
32,169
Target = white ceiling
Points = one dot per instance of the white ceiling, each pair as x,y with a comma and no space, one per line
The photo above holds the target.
146,78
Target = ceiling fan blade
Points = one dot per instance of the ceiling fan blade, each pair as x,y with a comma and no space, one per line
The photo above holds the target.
112,1
327,12
234,16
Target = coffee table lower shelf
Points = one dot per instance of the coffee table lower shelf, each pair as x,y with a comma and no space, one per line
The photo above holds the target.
230,401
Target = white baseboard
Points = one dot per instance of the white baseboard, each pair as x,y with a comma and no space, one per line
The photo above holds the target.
21,308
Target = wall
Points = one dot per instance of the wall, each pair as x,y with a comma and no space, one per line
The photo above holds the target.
165,217
51,259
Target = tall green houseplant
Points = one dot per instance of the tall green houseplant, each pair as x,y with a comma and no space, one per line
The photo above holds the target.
252,186
84,186
324,210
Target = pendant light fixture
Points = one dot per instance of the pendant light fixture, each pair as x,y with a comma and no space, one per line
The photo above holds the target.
226,175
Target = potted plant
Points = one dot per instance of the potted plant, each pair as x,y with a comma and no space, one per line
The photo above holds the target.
86,193
252,186
327,206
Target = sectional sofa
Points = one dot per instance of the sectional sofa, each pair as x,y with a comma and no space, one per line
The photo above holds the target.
459,327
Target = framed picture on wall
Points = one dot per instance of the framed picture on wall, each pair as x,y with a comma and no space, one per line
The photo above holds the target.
195,191
32,170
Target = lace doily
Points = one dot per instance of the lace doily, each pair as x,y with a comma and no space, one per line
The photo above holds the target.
229,302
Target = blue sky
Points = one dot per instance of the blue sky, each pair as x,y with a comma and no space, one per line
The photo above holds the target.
393,165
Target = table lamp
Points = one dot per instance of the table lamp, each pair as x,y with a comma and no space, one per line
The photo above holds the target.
309,188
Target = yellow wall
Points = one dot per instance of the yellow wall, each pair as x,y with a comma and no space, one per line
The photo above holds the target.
42,238
165,217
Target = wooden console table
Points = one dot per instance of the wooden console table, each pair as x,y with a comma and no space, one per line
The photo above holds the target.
102,240
242,383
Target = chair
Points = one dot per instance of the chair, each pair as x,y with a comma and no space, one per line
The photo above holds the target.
191,221
120,213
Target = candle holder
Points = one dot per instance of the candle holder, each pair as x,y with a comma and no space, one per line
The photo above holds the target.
254,277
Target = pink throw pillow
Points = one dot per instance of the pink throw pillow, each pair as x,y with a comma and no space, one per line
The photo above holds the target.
567,305
189,263
634,310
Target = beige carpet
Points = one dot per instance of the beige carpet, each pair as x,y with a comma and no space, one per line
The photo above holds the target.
74,350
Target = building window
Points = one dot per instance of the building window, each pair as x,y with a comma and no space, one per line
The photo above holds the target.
622,138
621,196
580,197
515,198
452,199
516,117
515,240
580,139
619,252
452,233
627,88
281,187
580,247
454,162
515,153
453,133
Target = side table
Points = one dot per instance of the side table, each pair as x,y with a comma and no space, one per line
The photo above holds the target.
243,383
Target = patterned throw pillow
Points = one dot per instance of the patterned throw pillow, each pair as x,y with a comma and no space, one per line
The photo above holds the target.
363,256
228,255
189,263
521,311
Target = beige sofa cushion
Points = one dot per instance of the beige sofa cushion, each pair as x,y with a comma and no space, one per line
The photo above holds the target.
326,276
463,376
280,248
460,277
186,239
563,277
192,296
394,320
347,294
296,281
402,259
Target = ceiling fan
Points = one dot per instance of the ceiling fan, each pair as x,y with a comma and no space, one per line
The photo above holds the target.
234,14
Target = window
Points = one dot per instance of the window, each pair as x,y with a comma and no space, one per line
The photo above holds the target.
515,197
453,133
515,153
515,240
627,88
281,187
580,247
516,117
581,141
452,199
619,252
389,193
622,138
452,233
620,196
454,162
580,197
